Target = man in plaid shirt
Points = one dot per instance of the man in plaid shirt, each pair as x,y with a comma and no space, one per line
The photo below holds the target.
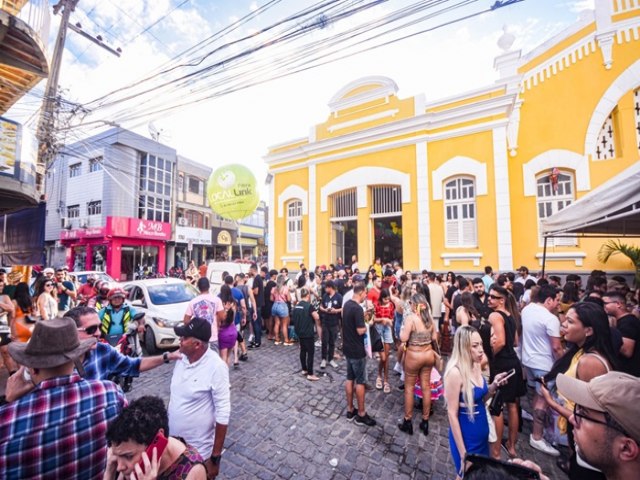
58,430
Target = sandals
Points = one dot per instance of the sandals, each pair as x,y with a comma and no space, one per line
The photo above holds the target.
378,383
387,388
503,443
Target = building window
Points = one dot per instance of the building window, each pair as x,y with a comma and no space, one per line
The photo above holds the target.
294,226
194,219
195,185
73,211
75,170
95,164
386,199
460,212
554,192
344,204
605,149
94,208
154,202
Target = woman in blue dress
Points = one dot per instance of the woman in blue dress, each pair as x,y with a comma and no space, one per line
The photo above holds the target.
465,390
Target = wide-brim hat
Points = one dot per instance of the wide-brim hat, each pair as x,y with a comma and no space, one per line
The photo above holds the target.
53,343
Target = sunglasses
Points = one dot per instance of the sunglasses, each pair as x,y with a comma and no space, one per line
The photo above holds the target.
496,297
48,284
90,330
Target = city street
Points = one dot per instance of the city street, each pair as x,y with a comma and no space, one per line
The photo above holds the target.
284,426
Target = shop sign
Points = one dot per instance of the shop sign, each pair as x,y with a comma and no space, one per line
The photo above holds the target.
149,229
78,233
138,228
224,238
195,236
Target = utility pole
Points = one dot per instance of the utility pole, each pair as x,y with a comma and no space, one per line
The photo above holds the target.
45,125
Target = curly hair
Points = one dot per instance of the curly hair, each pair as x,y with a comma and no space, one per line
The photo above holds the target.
139,422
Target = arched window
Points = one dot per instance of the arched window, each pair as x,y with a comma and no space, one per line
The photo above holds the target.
294,226
554,192
460,212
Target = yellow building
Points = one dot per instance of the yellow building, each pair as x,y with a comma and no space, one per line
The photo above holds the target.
463,182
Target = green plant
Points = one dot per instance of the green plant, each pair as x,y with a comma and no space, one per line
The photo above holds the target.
615,247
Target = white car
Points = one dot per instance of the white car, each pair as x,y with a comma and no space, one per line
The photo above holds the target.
215,270
81,277
164,302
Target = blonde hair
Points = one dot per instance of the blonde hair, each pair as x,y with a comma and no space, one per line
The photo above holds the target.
462,360
423,309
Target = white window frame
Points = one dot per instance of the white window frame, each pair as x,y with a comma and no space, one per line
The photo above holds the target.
552,202
294,225
460,212
75,170
73,211
94,208
95,164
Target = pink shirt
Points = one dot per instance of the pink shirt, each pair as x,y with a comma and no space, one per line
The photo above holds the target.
206,306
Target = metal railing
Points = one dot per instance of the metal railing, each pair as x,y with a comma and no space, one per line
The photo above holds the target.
35,13
621,6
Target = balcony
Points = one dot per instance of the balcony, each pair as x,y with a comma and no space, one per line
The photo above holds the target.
24,32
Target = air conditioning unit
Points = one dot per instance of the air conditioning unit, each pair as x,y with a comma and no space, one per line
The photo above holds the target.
83,222
66,222
182,221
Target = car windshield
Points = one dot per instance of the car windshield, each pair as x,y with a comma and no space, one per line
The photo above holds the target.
169,293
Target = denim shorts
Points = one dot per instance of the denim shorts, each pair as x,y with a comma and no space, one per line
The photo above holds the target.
356,370
385,333
280,309
532,374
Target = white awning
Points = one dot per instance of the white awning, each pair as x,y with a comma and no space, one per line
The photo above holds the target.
612,209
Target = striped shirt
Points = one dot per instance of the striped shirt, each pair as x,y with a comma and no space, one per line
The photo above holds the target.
58,430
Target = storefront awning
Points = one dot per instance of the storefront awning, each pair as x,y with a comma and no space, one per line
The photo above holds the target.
612,209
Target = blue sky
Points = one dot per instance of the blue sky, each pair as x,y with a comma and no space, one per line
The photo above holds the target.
239,127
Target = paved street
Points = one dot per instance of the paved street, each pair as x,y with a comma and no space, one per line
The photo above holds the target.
283,426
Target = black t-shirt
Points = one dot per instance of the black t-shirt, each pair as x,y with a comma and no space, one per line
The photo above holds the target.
352,341
482,307
302,318
334,302
450,292
259,284
267,291
629,327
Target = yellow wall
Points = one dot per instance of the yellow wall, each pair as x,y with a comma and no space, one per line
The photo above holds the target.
555,115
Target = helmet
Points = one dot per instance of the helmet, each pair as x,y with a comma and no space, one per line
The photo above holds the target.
116,292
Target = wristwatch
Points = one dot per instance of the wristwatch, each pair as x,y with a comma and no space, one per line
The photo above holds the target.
215,459
165,357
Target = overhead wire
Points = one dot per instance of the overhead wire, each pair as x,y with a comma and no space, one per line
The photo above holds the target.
313,62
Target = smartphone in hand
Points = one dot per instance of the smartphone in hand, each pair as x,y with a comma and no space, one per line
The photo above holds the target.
160,443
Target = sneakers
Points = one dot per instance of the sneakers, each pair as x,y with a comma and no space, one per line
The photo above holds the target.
254,345
365,420
543,446
351,415
333,364
323,364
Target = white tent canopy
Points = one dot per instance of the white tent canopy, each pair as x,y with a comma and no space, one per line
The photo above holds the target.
612,209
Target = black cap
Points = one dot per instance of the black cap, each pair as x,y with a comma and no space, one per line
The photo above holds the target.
197,328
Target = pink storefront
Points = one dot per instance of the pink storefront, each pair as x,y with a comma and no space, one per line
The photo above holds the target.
124,248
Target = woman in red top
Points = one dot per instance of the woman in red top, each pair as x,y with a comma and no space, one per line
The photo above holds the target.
384,311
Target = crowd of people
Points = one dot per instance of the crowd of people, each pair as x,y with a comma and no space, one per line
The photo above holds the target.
487,342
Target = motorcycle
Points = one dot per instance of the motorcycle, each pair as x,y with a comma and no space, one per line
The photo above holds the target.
127,344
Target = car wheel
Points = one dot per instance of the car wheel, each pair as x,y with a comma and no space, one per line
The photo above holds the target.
150,341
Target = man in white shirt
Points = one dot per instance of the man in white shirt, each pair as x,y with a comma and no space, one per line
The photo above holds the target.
523,275
436,293
540,348
207,306
200,401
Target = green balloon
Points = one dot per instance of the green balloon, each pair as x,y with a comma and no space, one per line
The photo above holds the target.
232,192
